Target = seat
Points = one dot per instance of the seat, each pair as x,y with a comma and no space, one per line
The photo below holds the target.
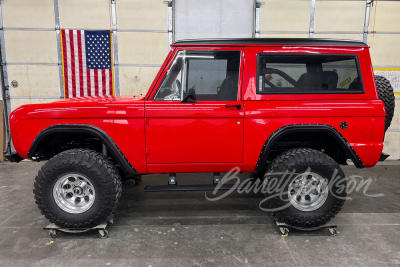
355,84
319,81
228,90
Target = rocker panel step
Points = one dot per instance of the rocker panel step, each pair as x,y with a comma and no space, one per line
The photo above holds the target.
200,187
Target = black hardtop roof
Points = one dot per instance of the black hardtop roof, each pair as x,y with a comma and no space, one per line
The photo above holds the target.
272,41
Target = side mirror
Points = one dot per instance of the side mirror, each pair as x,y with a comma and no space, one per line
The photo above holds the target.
191,94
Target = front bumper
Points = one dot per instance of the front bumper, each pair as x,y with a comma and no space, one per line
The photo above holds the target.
14,157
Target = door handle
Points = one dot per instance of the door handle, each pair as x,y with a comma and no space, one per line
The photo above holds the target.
239,107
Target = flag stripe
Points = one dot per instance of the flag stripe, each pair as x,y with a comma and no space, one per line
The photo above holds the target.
110,81
69,74
96,82
84,72
89,88
93,85
100,82
65,63
79,41
76,62
107,82
103,79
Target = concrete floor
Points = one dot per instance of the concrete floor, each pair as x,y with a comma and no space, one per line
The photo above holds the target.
182,229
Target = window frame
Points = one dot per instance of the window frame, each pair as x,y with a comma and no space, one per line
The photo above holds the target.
362,91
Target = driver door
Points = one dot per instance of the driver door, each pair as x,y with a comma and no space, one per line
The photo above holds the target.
205,131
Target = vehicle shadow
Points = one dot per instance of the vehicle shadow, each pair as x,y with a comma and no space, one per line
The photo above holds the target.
166,208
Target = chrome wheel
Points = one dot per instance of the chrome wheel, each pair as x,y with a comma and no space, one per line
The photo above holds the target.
74,193
308,191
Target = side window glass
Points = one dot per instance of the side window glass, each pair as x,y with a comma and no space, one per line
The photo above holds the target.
171,87
312,74
212,75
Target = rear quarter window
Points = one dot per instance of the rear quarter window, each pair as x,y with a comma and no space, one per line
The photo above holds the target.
308,74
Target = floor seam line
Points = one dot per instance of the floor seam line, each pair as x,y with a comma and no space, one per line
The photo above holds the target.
290,252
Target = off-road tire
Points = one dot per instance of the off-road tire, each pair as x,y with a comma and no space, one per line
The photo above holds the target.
300,159
101,172
385,93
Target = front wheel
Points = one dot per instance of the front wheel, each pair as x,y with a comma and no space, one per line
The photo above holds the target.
305,187
77,188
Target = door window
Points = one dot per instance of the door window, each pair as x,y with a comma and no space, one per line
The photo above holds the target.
212,75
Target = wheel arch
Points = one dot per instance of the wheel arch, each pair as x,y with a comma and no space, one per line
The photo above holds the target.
303,128
91,130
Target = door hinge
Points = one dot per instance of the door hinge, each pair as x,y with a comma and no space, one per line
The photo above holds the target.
146,121
147,151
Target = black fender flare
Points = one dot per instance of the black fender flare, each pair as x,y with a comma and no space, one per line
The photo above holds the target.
293,128
89,129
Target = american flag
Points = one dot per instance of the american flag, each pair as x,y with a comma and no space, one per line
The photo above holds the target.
87,63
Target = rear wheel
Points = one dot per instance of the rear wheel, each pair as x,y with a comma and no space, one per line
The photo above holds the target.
77,188
308,197
386,94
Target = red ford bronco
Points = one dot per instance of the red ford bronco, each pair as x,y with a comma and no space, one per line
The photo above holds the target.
266,106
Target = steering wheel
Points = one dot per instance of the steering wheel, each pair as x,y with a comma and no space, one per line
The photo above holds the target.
283,75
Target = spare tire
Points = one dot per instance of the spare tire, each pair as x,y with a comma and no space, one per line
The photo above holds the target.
385,93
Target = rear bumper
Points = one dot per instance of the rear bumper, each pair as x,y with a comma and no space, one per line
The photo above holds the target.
15,157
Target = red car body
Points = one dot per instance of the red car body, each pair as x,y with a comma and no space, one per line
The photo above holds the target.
208,136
